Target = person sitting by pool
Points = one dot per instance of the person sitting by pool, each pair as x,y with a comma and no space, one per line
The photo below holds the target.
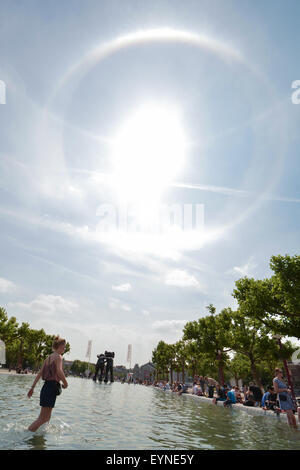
245,390
238,395
183,389
249,399
167,386
257,393
195,388
269,399
200,392
175,387
211,383
231,400
222,394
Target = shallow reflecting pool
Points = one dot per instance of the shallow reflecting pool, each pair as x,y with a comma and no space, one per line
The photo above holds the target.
120,416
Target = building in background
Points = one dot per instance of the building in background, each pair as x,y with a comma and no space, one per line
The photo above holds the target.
147,372
136,372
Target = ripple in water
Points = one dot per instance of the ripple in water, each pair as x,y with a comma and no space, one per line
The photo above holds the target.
92,416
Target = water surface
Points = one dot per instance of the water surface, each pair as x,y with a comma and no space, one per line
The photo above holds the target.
89,415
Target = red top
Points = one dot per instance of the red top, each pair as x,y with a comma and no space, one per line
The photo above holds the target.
50,370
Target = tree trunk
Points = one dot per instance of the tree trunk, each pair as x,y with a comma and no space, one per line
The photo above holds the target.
221,374
255,374
20,358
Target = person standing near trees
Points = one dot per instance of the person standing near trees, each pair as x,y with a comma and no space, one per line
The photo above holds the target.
52,373
257,393
284,397
211,383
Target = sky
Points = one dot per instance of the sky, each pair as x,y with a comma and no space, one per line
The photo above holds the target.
149,158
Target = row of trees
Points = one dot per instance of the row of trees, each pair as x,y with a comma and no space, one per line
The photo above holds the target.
25,347
239,343
80,367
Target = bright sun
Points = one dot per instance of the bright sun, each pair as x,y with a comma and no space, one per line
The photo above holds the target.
147,153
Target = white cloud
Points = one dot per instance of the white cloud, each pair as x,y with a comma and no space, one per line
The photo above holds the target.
181,278
146,313
46,305
106,336
169,326
7,287
122,287
245,270
126,308
116,303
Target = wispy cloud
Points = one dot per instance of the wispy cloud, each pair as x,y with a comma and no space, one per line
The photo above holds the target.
126,308
122,287
181,278
246,270
46,305
234,192
169,327
7,287
117,304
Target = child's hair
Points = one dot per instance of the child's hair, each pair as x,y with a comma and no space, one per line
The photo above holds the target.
57,342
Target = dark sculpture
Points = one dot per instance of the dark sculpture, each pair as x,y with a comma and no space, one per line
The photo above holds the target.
109,366
105,360
100,365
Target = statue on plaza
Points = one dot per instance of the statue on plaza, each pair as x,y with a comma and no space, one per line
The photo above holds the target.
105,363
109,366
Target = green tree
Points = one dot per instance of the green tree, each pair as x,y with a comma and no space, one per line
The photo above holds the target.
210,336
8,327
23,336
24,345
274,301
181,353
249,337
79,367
163,358
239,368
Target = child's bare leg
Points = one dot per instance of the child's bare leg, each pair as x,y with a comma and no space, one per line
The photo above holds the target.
44,417
291,419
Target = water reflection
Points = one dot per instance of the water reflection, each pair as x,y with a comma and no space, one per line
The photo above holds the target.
89,415
37,442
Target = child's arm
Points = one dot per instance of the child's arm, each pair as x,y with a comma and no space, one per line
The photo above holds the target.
39,375
61,373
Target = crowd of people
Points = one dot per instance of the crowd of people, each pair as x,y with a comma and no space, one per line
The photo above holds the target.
176,387
276,398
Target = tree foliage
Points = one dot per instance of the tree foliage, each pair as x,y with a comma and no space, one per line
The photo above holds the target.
274,301
240,342
25,346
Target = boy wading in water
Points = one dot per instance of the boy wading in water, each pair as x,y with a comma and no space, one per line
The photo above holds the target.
52,373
